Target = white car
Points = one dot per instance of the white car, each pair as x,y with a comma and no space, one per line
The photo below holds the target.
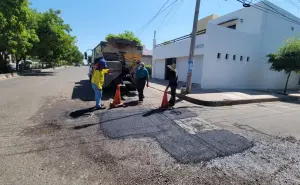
12,66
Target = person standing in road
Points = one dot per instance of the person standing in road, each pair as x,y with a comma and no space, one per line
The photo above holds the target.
142,76
91,68
98,74
173,83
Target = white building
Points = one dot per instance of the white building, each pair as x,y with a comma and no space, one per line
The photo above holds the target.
231,52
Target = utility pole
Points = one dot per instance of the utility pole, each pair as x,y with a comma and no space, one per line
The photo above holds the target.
192,49
153,47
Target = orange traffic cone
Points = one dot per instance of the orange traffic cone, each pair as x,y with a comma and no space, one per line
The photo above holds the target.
117,99
164,103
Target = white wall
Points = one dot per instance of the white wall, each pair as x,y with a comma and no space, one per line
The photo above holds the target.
257,35
182,68
197,69
222,73
274,31
252,19
159,68
178,49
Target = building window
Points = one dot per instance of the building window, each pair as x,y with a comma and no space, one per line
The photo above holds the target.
241,58
226,56
248,58
292,28
233,57
219,55
232,26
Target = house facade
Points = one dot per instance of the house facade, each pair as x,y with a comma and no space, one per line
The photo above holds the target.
231,51
147,56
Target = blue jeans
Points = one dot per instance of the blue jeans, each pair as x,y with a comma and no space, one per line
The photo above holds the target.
98,95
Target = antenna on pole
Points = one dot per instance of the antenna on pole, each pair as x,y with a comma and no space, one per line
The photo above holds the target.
154,39
153,48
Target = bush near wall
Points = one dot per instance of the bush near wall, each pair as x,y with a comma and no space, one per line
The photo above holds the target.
149,68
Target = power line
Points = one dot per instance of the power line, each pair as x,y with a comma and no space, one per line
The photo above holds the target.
176,9
276,13
279,12
292,3
154,15
220,5
157,14
273,13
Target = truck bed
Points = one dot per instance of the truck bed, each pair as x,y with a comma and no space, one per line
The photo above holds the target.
116,66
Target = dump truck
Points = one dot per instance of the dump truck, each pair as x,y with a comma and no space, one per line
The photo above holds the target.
123,57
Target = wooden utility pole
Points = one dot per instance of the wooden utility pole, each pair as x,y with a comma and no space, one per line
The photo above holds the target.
192,48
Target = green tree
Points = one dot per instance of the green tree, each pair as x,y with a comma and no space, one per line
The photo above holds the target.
287,58
55,39
17,30
127,35
73,55
26,33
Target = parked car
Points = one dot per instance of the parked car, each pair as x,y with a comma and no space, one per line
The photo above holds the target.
77,65
25,64
12,66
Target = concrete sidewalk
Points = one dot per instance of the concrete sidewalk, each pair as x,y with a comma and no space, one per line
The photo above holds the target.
50,69
225,97
15,74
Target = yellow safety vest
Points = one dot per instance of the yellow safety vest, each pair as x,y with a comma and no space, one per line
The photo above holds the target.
98,77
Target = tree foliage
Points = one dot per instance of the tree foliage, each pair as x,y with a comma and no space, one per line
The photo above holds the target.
56,43
127,35
287,58
25,32
17,30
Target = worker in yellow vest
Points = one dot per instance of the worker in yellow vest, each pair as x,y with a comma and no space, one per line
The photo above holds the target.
98,74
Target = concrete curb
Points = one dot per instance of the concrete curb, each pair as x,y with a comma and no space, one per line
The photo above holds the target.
13,75
51,69
8,75
230,102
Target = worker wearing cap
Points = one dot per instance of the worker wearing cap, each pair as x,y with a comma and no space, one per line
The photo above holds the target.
173,83
142,76
98,74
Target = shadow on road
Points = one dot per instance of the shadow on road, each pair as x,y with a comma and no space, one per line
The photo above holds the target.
37,74
83,91
154,111
92,124
81,112
131,103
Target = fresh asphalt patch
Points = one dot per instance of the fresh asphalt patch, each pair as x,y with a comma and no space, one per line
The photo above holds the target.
180,144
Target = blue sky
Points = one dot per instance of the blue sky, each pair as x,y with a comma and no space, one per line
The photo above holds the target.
92,20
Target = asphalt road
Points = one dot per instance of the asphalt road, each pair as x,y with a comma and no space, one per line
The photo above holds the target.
49,135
